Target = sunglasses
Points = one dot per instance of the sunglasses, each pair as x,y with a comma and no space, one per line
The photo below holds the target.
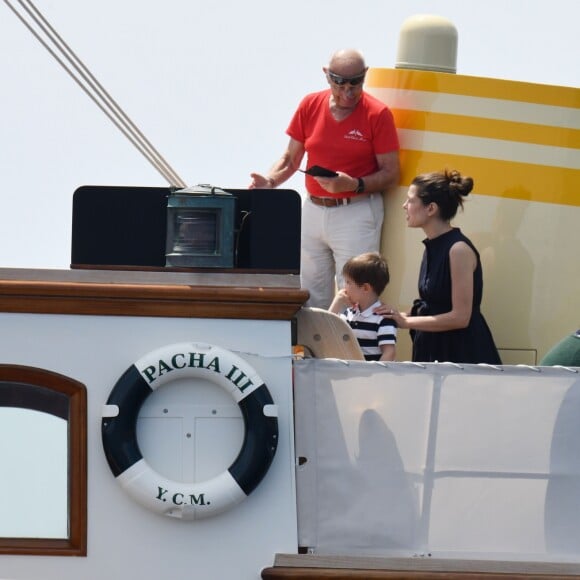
341,81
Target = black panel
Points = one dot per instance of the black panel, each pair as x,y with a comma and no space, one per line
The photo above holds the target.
119,226
269,237
126,226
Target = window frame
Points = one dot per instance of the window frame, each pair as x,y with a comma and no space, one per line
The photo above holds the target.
76,543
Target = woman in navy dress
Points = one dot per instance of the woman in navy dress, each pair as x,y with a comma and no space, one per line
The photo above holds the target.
445,322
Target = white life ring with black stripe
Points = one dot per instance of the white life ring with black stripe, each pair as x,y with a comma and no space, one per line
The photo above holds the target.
200,499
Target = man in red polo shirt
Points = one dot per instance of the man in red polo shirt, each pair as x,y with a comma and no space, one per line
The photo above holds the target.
352,133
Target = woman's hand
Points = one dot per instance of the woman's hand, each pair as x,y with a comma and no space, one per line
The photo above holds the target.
400,318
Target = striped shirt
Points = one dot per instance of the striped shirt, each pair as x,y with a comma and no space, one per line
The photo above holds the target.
371,330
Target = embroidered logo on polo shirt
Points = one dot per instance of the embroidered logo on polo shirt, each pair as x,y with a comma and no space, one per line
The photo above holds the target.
355,135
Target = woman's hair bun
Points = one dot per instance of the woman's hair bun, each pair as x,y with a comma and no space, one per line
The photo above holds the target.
458,184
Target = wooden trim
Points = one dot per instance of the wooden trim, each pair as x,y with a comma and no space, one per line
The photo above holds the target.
283,573
76,543
345,567
169,300
130,268
78,472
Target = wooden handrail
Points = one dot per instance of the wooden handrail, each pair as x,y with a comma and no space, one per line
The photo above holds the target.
170,300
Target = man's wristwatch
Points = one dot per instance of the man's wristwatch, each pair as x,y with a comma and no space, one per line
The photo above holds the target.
361,186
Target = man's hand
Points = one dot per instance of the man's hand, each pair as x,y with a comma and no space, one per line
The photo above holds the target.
343,182
260,181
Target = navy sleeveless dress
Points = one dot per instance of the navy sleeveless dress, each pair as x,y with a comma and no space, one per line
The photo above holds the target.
473,344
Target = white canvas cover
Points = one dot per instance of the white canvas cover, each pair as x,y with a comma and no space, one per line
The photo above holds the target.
438,460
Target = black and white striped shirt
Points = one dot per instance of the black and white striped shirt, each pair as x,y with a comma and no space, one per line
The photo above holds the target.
371,330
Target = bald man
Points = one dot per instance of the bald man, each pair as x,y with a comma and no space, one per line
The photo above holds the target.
350,132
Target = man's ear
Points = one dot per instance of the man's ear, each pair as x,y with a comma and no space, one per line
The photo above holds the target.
366,287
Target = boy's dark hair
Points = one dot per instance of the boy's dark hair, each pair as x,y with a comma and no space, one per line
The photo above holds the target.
370,268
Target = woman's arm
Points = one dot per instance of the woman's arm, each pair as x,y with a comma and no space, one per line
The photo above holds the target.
463,262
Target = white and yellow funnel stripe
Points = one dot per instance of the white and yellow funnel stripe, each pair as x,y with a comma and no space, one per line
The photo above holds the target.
520,142
510,136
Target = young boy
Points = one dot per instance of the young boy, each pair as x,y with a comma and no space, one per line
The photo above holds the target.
365,278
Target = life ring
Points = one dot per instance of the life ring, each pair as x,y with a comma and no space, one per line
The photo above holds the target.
200,499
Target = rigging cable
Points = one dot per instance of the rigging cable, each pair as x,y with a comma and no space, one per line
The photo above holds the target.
95,91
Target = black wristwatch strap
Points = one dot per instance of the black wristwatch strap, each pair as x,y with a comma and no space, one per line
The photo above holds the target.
361,186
